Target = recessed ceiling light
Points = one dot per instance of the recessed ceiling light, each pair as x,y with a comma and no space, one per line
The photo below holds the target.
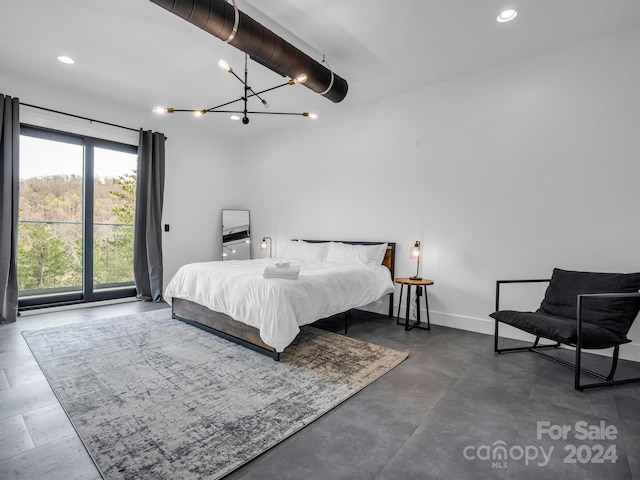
507,15
67,60
234,117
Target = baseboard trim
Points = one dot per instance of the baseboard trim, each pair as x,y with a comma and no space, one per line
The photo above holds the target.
76,306
486,326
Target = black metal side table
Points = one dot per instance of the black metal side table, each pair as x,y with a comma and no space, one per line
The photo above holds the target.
421,285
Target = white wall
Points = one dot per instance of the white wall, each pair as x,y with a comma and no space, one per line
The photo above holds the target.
504,173
201,180
201,176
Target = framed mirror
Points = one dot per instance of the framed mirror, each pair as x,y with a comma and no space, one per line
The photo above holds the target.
236,235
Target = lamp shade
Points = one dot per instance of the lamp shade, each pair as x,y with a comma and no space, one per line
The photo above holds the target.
263,245
415,255
415,251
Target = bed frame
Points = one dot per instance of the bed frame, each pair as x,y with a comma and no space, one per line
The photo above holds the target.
226,327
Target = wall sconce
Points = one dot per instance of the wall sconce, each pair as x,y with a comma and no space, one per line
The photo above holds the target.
415,255
263,245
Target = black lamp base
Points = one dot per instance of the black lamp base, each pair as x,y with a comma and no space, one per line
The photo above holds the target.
415,277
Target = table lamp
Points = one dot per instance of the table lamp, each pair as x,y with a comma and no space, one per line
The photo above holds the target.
415,255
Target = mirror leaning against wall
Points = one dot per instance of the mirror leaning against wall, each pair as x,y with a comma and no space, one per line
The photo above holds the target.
236,229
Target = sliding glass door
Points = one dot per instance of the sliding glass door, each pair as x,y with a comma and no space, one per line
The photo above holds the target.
77,198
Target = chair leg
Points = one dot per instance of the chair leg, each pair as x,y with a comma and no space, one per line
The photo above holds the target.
614,363
497,349
608,380
531,348
578,367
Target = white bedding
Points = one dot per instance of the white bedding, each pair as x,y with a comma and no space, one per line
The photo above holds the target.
277,306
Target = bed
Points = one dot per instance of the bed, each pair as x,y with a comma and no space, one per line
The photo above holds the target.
233,300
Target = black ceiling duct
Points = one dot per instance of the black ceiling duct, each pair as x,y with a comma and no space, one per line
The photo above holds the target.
223,20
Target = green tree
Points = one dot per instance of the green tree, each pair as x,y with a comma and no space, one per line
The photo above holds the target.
43,260
114,252
125,211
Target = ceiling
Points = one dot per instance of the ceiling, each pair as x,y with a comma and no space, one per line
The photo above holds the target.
134,52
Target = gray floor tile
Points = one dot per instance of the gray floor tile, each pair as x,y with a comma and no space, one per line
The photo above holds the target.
562,393
11,339
4,383
502,392
14,437
404,399
628,408
62,460
26,373
26,397
570,455
345,444
630,435
437,449
15,358
48,424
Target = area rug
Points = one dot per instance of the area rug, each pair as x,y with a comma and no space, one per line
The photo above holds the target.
154,398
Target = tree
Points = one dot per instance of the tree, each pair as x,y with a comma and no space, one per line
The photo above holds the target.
127,196
44,262
114,253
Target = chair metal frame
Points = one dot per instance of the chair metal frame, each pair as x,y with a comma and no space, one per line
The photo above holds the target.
607,380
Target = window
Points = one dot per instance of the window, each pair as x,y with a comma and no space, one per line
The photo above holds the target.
77,201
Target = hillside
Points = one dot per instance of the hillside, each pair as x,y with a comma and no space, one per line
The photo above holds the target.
59,198
50,246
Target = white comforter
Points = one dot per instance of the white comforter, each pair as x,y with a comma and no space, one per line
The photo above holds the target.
278,306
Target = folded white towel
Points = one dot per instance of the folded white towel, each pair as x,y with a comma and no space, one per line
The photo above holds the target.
283,264
271,271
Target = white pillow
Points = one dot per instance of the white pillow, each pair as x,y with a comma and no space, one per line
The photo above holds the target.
369,255
301,250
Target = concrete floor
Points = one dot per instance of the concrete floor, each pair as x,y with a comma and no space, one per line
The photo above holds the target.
440,414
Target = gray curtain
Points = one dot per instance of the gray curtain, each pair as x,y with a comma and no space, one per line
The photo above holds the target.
9,198
147,248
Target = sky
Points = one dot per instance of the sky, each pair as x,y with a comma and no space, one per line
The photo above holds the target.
39,158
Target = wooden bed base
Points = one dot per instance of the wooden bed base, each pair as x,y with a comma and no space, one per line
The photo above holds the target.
226,327
220,324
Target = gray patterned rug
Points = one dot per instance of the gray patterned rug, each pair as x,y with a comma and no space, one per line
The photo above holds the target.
154,398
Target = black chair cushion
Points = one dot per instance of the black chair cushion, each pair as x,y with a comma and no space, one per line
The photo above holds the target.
560,329
613,314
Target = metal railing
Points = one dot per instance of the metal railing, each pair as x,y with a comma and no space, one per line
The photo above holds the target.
58,266
65,222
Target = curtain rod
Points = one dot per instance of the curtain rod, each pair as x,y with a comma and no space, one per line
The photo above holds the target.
93,120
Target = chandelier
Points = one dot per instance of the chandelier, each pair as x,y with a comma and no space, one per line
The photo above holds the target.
248,94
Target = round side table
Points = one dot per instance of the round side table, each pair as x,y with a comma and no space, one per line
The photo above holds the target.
421,285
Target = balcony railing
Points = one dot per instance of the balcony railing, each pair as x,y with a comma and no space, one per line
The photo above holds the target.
58,222
50,256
